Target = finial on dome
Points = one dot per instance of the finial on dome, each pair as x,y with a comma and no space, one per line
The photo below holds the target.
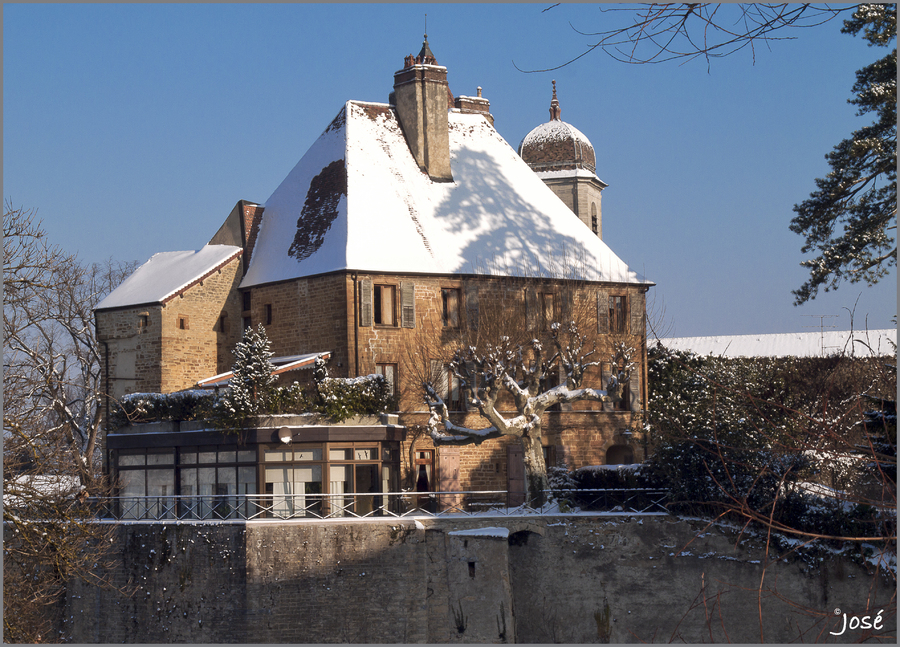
554,105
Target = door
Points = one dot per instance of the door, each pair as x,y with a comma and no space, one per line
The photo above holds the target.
449,463
515,474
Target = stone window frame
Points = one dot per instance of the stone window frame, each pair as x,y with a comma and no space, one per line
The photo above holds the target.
378,305
618,325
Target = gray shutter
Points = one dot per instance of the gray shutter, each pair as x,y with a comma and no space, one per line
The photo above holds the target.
602,312
408,305
472,306
365,302
604,380
532,309
634,391
636,312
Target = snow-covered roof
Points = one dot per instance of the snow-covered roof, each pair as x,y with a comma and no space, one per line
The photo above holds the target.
800,344
166,274
357,200
281,364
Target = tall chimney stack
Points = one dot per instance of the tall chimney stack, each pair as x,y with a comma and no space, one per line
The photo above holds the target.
421,99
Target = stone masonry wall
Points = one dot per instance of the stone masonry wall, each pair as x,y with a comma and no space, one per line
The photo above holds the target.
150,351
569,578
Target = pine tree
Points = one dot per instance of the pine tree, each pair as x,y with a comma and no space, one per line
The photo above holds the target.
252,379
849,220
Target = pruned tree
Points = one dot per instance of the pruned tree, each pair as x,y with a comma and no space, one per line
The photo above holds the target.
850,221
518,371
52,414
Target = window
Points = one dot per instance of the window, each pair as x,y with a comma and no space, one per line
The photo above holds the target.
223,323
625,403
384,305
143,321
450,299
247,301
450,391
617,312
594,222
390,375
268,313
548,310
182,322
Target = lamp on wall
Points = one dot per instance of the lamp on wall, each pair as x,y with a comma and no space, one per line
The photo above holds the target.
285,435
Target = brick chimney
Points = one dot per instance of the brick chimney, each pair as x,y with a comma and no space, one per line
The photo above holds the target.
421,99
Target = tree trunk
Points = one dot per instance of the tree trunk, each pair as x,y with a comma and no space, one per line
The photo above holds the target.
536,482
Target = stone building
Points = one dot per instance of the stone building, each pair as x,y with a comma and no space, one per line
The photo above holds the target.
406,227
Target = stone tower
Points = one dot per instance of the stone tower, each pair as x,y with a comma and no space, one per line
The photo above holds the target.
564,159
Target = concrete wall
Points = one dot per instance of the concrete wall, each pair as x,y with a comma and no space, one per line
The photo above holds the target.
528,580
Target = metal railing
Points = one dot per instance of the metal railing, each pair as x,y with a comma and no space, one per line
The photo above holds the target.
364,505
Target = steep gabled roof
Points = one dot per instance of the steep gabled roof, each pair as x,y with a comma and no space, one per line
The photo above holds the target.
358,201
168,273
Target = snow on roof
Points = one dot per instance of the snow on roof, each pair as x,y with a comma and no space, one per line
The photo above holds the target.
357,200
281,364
166,274
800,344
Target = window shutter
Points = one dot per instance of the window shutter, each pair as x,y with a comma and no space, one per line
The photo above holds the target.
602,312
634,392
472,306
636,310
604,380
532,309
365,302
408,305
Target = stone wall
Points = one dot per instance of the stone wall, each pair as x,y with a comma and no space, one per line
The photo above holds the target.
530,580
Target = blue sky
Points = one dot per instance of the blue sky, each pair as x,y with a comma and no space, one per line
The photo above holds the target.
134,129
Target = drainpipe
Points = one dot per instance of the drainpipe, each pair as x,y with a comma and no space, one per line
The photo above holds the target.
355,277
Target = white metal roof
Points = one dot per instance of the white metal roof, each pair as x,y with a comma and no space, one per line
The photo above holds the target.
800,344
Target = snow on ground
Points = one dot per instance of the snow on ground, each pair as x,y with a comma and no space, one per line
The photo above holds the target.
490,531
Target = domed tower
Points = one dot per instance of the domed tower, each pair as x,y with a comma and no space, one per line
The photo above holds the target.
564,159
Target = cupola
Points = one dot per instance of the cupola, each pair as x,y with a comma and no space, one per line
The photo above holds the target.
564,159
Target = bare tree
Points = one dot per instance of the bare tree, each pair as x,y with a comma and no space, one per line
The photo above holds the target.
659,32
519,371
52,400
52,373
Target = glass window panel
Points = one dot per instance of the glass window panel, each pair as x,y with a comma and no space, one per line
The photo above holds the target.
127,460
308,454
132,483
366,454
246,456
342,454
246,480
188,482
280,454
227,457
187,457
207,457
160,482
167,458
340,482
279,483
